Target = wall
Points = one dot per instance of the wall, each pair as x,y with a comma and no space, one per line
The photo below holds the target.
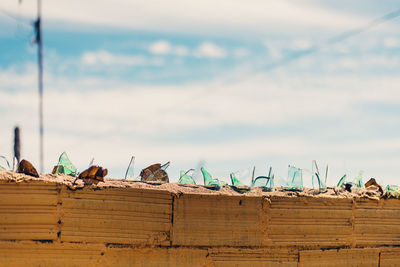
46,223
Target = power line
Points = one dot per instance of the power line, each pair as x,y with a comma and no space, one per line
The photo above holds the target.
15,18
39,41
334,40
301,54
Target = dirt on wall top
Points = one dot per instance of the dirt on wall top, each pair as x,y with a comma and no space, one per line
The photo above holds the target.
332,192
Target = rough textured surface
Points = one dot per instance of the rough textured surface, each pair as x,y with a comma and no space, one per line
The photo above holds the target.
309,222
201,220
116,215
226,257
48,221
377,222
28,211
340,257
390,257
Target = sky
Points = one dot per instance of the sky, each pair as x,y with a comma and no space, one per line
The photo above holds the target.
230,83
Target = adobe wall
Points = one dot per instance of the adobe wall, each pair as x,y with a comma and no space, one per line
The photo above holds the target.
49,222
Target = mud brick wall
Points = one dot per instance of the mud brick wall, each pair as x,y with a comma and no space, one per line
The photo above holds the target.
48,224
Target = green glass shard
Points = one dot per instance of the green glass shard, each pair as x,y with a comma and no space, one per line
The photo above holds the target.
243,177
185,178
392,191
234,180
4,164
267,182
295,179
65,166
359,180
342,181
263,181
209,181
317,179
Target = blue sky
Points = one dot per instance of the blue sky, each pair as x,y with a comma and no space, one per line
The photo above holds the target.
187,81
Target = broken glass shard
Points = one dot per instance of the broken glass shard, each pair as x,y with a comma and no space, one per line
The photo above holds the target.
317,179
155,173
342,181
392,191
243,178
209,181
186,177
294,180
359,180
197,174
4,164
267,182
129,174
64,166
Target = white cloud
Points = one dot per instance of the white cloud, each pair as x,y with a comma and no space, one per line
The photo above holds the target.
391,42
160,47
113,120
273,49
180,50
101,57
227,17
163,47
210,50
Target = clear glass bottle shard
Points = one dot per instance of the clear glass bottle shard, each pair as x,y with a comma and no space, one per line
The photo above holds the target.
186,177
91,162
15,163
4,164
65,166
197,174
165,166
243,177
267,182
294,180
130,171
317,178
209,181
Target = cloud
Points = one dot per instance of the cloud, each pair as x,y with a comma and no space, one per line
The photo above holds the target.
274,49
102,57
180,50
391,42
301,44
210,50
163,47
160,47
227,17
282,118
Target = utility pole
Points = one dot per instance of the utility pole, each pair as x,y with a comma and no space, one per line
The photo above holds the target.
38,41
17,146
